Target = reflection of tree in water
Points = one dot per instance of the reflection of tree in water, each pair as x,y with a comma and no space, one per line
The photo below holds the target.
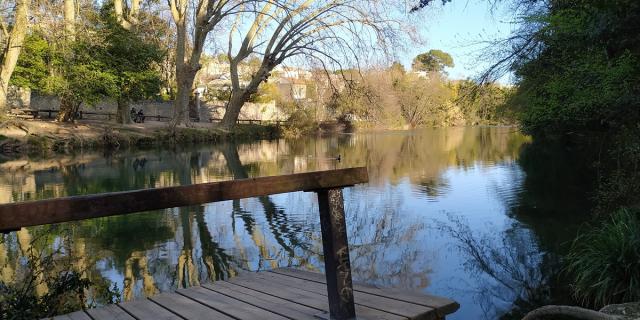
512,276
382,245
285,233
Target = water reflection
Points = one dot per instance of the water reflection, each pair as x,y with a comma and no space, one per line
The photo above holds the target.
416,179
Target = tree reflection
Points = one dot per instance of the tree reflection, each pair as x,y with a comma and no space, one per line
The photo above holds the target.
284,233
511,275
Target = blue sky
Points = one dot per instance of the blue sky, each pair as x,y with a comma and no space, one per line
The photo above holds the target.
453,27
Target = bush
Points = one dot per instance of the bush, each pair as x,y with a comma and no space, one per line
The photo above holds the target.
49,284
604,261
300,122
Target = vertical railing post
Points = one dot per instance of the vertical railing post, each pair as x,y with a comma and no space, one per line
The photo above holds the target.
336,254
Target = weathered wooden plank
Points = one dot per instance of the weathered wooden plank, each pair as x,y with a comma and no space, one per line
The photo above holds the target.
144,309
405,309
311,299
231,306
443,305
109,312
16,215
335,247
187,308
277,305
78,315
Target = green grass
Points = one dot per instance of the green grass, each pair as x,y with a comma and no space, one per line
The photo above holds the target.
604,261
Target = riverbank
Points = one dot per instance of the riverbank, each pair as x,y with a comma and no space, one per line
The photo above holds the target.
36,136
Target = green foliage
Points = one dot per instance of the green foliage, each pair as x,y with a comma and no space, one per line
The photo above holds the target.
31,69
432,61
105,61
395,99
605,260
50,285
484,103
300,122
583,75
267,91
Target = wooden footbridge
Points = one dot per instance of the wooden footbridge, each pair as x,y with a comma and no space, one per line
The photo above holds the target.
276,294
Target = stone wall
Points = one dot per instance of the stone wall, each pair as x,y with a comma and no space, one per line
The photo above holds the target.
250,111
208,110
18,98
149,108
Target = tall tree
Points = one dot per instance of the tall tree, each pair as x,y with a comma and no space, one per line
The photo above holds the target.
70,19
132,60
11,39
330,33
432,61
205,16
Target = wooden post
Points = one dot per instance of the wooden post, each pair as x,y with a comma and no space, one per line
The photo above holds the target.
336,254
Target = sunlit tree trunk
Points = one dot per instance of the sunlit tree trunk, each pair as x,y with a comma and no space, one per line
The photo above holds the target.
68,109
123,115
6,270
13,46
129,18
25,242
70,19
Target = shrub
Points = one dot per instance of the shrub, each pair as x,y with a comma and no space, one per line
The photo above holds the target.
48,284
300,122
604,261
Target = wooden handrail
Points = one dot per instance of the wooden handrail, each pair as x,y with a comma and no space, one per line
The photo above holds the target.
327,184
31,213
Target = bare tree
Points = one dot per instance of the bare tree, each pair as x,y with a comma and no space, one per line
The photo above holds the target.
13,30
206,15
331,33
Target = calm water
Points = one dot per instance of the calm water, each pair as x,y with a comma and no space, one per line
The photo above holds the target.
476,214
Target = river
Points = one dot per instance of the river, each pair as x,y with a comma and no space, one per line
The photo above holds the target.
477,214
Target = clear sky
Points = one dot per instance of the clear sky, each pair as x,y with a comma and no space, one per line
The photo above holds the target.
454,27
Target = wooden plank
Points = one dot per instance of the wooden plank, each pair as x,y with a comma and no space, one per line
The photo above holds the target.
16,215
144,309
231,306
443,305
405,309
187,308
276,305
78,315
308,298
335,247
109,312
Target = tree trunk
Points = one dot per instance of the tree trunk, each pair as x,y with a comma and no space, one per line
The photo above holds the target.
185,80
3,101
70,19
232,112
68,109
12,49
123,115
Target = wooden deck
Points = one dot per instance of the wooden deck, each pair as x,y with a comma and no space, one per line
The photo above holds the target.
278,294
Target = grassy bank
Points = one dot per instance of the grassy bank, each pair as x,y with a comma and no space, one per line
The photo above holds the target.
29,136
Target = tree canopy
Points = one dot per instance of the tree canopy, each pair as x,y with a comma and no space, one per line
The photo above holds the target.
432,61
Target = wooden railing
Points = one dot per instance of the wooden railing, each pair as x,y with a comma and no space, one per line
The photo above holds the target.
327,184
